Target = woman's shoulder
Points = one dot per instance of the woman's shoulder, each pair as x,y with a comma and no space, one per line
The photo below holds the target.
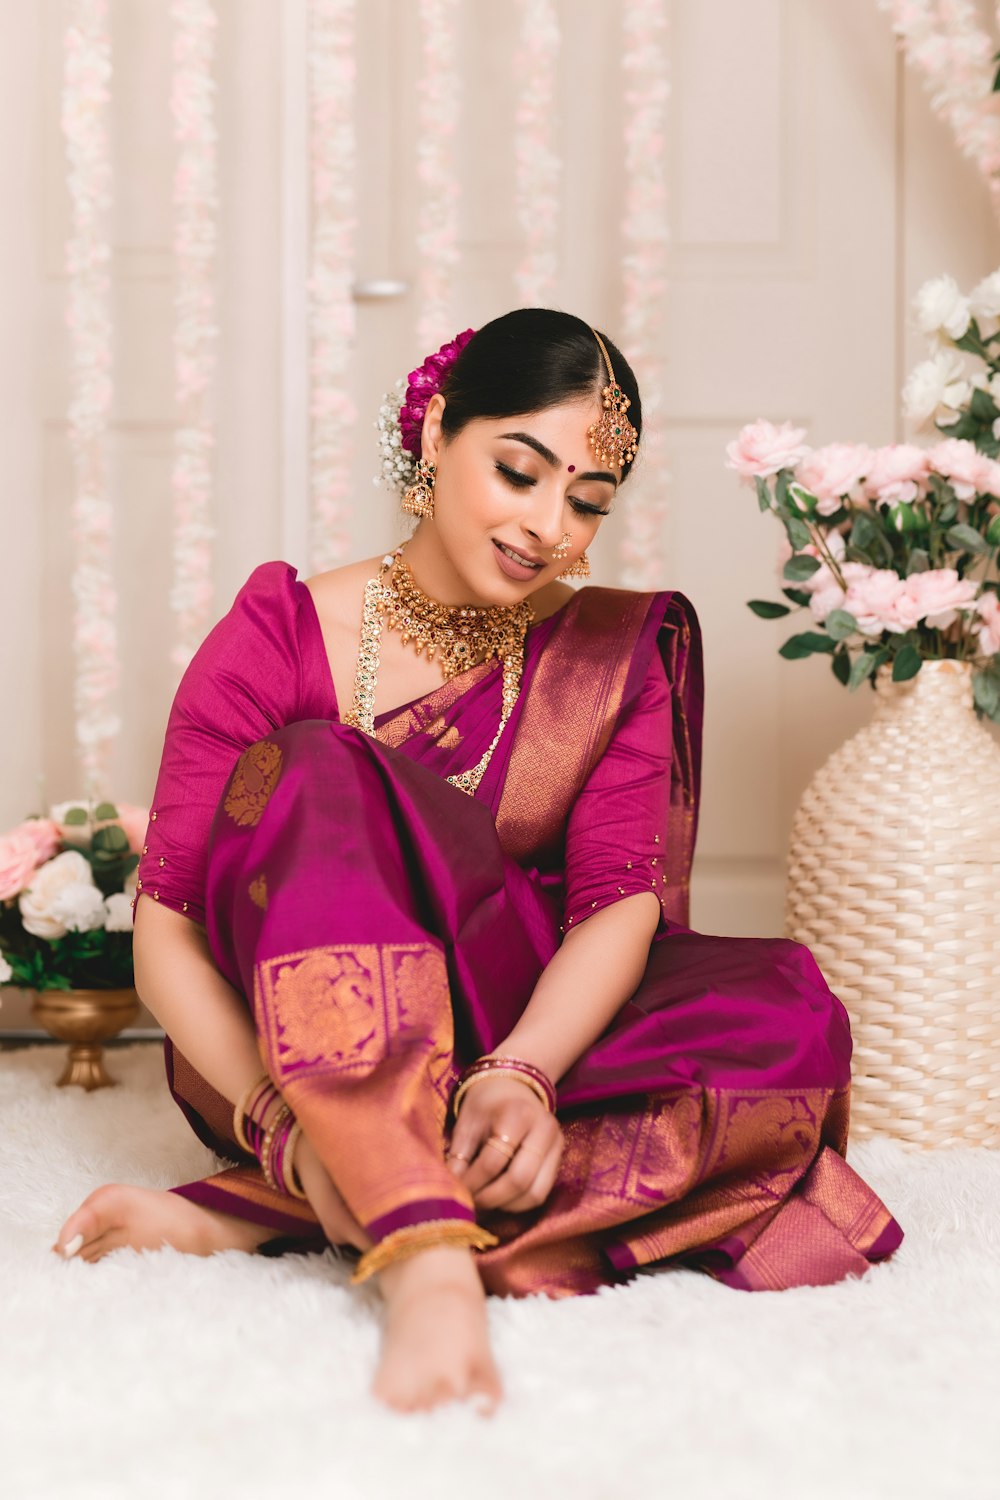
338,594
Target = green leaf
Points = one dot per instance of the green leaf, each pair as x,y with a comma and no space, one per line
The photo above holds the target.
104,811
798,569
840,623
797,596
809,643
966,539
75,816
110,841
918,561
986,693
948,512
797,531
993,532
781,491
862,667
766,610
841,665
763,493
907,664
983,407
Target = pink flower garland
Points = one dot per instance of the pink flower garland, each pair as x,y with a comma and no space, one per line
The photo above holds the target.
538,167
437,213
644,232
423,383
333,151
85,107
195,331
945,41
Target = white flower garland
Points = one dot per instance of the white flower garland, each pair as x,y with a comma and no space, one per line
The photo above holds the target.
85,108
538,167
645,234
945,41
332,322
437,172
196,206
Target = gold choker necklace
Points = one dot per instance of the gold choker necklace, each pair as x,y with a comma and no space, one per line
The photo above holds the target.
460,636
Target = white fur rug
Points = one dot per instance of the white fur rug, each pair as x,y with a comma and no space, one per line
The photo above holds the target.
243,1378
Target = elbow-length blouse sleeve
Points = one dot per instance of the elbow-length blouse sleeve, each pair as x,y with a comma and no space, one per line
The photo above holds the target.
616,830
247,679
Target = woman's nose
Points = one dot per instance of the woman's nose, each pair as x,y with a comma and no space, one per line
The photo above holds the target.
545,522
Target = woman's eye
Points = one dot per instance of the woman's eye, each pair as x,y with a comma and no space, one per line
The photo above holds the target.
514,476
583,509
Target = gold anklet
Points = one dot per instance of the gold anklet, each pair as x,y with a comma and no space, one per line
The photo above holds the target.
461,1234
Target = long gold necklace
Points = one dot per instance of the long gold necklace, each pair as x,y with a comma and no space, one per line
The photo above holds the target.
459,636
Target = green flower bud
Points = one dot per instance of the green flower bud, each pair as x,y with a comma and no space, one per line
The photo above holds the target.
993,532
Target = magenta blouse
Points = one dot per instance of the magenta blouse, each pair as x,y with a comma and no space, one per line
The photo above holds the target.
264,666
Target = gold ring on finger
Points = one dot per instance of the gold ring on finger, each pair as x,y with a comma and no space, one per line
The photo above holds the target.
497,1142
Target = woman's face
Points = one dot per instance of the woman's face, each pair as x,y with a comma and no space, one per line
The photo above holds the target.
506,493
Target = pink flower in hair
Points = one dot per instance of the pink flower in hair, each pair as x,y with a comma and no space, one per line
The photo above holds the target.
422,384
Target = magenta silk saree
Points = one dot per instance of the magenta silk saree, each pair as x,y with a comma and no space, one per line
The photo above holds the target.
387,929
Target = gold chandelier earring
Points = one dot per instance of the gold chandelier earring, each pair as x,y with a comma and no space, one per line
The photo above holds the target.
418,498
579,569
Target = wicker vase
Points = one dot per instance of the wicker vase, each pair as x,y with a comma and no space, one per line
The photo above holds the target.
894,883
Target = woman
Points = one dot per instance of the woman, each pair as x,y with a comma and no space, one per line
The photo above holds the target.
448,869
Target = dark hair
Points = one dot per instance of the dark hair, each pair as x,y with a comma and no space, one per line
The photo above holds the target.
527,360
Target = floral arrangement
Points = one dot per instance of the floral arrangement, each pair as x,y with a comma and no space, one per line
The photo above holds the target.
893,550
400,421
67,884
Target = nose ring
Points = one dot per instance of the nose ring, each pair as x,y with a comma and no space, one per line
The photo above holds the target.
558,553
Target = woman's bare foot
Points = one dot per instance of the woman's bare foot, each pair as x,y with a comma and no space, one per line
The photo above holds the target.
436,1342
116,1216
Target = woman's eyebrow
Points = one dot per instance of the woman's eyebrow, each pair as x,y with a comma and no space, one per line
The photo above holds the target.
551,459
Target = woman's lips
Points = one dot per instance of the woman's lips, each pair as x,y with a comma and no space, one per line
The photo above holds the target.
521,571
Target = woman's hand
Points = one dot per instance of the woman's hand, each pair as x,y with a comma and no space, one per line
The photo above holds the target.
505,1147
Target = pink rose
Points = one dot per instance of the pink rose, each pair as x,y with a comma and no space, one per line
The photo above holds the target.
898,474
18,862
873,600
988,610
134,822
967,470
762,449
45,836
827,595
935,596
834,473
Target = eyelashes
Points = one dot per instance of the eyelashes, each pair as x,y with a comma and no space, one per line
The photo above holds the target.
519,481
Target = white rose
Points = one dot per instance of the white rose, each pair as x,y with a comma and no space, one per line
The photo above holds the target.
925,389
941,308
6,972
79,907
984,299
37,901
118,912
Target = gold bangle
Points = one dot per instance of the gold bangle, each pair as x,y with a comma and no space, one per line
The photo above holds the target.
241,1110
461,1234
291,1181
474,1078
281,1114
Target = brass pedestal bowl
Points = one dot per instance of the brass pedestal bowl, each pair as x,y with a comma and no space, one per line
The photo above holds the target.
86,1019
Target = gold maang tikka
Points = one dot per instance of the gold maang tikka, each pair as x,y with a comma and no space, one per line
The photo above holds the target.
612,437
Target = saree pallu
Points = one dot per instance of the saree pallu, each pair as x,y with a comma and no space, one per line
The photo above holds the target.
387,930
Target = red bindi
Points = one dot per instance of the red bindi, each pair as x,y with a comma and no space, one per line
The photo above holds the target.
571,469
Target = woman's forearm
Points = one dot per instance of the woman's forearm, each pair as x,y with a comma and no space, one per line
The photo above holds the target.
597,968
207,1020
